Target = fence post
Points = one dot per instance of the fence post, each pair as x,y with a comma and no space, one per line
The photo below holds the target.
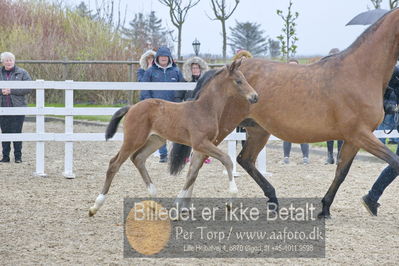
261,162
65,71
68,162
40,129
130,79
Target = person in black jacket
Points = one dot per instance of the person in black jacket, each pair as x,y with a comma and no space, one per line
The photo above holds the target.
12,98
388,123
388,175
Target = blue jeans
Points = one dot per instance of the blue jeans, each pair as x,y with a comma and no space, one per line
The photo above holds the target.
163,152
386,177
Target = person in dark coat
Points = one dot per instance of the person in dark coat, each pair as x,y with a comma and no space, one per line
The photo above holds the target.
12,98
388,175
163,69
388,123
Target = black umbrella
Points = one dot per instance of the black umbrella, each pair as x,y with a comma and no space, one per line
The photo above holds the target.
368,17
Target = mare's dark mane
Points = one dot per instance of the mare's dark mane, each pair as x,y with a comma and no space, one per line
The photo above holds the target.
365,35
204,79
361,39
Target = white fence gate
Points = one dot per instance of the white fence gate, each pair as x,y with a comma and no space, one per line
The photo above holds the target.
40,111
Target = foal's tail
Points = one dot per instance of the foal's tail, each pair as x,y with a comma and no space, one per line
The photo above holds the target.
113,124
178,156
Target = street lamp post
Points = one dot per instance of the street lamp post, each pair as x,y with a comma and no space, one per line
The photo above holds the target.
196,46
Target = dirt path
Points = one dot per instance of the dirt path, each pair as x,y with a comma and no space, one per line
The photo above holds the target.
44,220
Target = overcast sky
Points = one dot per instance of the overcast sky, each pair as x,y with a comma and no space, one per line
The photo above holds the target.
321,23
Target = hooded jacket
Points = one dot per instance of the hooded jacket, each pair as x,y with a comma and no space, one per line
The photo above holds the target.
17,95
143,63
157,73
188,76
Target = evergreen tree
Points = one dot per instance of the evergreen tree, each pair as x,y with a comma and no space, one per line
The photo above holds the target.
248,36
145,32
83,11
274,48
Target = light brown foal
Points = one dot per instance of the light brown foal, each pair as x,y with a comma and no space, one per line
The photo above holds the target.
149,123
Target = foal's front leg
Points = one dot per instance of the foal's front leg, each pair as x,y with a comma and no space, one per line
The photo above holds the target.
208,148
139,158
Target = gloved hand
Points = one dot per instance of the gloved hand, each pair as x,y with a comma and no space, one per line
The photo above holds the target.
391,108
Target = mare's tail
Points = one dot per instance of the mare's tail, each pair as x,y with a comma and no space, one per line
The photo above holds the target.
178,156
113,124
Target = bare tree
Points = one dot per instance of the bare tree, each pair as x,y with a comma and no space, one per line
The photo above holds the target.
222,14
178,12
104,12
376,3
288,38
393,4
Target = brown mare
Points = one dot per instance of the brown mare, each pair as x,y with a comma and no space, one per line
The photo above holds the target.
149,123
339,97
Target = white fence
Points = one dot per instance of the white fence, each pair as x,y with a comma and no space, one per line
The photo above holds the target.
40,137
40,111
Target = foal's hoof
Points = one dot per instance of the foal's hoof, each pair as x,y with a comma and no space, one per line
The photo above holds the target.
229,206
92,211
323,215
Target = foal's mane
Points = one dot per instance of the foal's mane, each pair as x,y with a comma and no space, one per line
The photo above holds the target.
205,79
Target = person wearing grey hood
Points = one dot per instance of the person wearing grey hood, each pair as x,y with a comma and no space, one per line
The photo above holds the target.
12,98
146,61
163,69
193,68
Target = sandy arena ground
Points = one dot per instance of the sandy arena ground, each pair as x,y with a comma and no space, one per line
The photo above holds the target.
45,220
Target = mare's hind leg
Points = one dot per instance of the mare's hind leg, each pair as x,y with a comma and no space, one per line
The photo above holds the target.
346,156
365,140
113,168
256,140
184,197
139,158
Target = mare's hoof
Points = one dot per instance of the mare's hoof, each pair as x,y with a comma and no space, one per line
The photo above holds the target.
323,215
272,205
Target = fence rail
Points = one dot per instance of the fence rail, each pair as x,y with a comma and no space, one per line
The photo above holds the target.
132,65
40,111
40,136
